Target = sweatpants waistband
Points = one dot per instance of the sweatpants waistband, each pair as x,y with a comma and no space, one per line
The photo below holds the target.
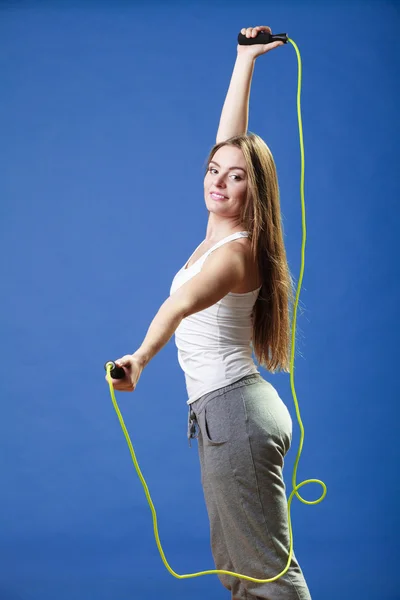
199,404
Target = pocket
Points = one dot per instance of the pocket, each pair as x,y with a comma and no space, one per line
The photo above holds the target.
214,422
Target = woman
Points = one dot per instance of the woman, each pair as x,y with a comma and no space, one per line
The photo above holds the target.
230,298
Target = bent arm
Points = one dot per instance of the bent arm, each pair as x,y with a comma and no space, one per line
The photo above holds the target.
223,270
235,112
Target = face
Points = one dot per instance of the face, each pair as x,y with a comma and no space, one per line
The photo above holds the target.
225,184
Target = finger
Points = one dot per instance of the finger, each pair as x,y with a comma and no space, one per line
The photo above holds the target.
123,383
274,45
257,30
264,28
128,358
121,387
253,31
114,382
124,388
124,361
271,46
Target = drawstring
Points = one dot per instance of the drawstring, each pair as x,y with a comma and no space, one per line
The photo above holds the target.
193,426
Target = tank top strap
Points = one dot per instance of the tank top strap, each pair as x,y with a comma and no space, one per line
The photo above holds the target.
230,238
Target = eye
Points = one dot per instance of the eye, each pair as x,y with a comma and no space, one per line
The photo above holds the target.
212,169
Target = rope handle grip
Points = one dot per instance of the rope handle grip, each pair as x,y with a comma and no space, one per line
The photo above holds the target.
263,37
116,372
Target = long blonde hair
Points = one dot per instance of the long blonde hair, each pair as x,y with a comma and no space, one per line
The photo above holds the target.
261,217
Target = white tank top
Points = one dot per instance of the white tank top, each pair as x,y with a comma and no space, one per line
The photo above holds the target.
214,344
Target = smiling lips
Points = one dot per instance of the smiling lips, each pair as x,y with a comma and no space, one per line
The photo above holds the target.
216,196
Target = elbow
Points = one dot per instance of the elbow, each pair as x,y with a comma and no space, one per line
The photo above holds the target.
175,308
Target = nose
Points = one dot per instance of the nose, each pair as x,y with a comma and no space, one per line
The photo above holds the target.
219,180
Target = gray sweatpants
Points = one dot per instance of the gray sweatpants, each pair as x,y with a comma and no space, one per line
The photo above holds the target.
244,431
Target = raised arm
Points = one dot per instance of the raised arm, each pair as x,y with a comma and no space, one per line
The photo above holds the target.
235,112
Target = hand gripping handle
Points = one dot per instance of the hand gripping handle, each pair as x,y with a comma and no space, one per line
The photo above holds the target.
263,37
115,372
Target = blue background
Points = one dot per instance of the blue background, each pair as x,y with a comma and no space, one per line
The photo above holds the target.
108,111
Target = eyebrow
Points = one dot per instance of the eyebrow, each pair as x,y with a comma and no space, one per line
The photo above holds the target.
230,168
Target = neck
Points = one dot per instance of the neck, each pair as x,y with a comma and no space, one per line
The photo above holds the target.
219,228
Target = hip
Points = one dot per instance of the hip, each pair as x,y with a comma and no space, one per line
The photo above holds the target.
250,406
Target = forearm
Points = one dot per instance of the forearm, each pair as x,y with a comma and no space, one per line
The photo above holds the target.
235,112
160,332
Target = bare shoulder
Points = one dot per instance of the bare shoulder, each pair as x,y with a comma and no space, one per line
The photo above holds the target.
243,247
252,279
240,247
242,244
